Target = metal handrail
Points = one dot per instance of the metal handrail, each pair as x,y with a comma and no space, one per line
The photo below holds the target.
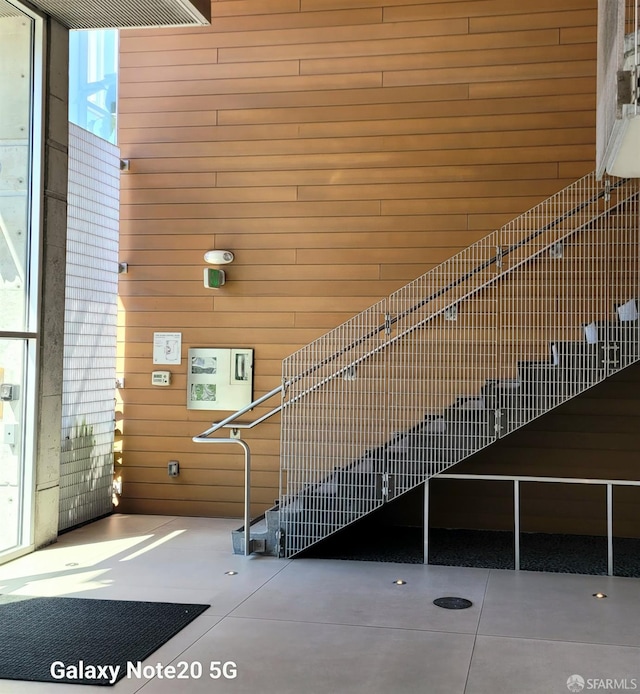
227,422
502,253
349,450
247,484
231,421
242,425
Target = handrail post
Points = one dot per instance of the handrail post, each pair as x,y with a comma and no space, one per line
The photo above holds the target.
425,523
247,484
610,529
204,438
516,524
247,496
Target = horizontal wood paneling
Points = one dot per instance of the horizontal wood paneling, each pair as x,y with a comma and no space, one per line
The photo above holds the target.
340,148
189,507
532,20
356,160
331,33
448,102
415,142
475,8
469,119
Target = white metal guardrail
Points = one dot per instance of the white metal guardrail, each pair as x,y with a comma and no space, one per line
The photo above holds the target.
523,479
509,328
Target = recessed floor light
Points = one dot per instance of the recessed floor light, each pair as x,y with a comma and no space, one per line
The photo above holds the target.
72,563
230,573
599,596
400,582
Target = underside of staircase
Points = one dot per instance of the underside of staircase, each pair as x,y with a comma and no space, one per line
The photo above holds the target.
517,324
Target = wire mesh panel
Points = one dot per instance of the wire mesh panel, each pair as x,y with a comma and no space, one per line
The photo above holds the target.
333,430
442,351
513,326
566,261
554,285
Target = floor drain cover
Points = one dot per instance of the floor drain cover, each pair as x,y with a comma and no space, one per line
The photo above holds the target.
453,603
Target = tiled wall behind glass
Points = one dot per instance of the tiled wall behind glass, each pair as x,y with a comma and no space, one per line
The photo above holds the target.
90,329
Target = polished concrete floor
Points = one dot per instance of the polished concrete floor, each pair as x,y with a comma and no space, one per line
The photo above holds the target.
316,626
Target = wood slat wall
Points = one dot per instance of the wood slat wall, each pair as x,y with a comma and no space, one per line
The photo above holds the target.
339,149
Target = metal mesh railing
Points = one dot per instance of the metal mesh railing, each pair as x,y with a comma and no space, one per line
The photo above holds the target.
497,335
335,412
438,364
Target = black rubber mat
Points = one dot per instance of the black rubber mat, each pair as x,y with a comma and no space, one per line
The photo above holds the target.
83,641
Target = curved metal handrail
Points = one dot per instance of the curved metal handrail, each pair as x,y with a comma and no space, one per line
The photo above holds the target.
204,437
247,485
242,425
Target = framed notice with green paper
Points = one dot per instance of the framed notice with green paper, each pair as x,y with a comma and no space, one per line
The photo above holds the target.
219,378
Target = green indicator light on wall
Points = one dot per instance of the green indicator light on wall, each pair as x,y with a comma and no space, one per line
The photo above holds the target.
214,278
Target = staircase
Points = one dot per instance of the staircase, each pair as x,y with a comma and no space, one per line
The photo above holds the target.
513,326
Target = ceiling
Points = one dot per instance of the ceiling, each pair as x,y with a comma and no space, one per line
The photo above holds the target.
96,14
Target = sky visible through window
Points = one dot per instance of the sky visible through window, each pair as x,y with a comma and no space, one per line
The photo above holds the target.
93,81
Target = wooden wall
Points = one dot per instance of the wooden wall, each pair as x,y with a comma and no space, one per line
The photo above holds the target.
339,149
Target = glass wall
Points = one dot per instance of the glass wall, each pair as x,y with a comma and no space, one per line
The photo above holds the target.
93,81
20,122
12,473
15,121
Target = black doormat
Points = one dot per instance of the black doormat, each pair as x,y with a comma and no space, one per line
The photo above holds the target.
84,641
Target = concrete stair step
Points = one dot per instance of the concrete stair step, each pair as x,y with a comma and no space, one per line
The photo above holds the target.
263,533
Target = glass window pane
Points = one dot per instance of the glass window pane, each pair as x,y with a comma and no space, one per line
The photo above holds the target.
93,81
15,143
12,472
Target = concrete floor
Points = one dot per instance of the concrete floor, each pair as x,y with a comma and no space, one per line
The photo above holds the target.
314,626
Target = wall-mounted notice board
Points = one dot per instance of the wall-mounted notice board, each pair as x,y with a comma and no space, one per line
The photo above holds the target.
219,378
